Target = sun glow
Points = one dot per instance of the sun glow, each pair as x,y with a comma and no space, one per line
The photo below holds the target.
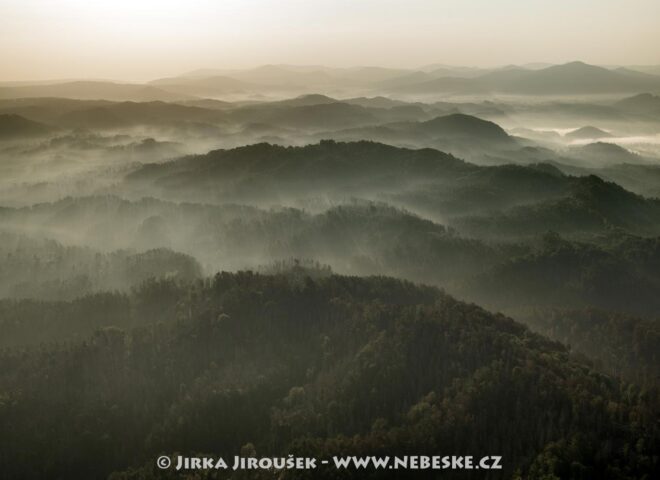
141,39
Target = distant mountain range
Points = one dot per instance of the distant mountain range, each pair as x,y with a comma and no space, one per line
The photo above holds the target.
575,78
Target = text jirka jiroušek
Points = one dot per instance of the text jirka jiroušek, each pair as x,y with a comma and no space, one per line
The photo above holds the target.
411,462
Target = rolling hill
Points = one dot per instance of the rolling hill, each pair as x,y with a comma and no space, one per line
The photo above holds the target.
15,126
592,206
587,133
92,90
603,154
126,114
212,86
644,103
459,125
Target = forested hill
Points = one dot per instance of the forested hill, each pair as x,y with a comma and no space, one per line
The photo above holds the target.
504,201
591,205
318,365
272,173
615,271
324,163
461,125
12,126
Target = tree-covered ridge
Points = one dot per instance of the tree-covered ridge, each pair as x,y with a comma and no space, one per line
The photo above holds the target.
357,237
591,206
44,268
500,202
12,126
324,366
504,201
619,274
614,271
266,172
327,165
621,345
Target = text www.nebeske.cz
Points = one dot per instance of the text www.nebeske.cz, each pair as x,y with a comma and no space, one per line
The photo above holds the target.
409,462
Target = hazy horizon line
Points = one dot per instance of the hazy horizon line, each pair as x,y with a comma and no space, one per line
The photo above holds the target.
231,69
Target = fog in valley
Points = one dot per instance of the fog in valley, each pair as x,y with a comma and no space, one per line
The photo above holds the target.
271,239
171,180
100,195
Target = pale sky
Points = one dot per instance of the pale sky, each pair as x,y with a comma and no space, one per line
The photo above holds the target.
146,39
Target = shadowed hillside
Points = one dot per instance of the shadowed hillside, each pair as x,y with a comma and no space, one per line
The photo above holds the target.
15,126
315,367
